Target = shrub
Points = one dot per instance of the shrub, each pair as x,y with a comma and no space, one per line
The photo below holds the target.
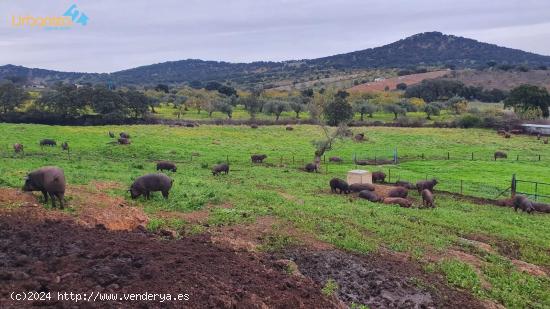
469,121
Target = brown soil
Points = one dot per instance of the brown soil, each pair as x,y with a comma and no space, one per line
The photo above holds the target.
57,255
380,281
249,237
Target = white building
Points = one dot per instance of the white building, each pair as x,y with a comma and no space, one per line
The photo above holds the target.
537,128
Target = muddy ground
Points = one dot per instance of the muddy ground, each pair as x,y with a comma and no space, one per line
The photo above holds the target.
380,281
102,246
60,255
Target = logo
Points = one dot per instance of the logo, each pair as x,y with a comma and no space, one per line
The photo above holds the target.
70,19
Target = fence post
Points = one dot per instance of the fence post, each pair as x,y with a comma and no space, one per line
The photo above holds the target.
539,157
448,155
293,159
536,190
472,156
395,156
461,187
517,158
324,159
422,156
513,186
281,160
227,159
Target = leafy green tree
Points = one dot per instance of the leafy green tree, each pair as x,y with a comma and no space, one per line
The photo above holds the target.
431,110
108,102
136,102
401,86
65,100
11,97
253,104
529,97
457,104
162,88
226,108
276,107
365,108
297,105
396,110
338,111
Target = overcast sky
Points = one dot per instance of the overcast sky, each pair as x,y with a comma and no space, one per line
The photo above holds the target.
126,34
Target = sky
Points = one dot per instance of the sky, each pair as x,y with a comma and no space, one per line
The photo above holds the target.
125,34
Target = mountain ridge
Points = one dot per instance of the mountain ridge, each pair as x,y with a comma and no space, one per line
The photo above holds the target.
423,49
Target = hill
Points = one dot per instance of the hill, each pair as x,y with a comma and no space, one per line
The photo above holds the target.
490,79
425,49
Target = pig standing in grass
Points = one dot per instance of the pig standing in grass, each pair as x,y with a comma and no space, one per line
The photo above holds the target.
18,148
500,155
49,180
427,198
48,142
124,135
311,167
378,177
166,166
144,185
426,184
220,168
258,158
523,203
337,184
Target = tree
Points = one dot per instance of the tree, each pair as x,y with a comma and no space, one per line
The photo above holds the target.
431,109
396,110
253,104
108,102
228,91
338,111
162,88
297,105
64,99
137,102
226,108
457,104
529,97
11,97
365,108
276,107
401,86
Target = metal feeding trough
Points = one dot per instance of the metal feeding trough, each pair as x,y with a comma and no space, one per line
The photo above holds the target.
359,176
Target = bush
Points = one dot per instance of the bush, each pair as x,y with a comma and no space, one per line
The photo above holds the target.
469,121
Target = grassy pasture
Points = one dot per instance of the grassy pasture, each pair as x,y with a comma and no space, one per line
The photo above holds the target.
284,191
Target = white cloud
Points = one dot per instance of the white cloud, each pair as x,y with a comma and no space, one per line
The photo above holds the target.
125,34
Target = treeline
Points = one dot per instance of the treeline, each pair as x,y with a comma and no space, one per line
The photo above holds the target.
71,101
443,89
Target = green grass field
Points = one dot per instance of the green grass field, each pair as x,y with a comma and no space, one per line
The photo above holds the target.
284,191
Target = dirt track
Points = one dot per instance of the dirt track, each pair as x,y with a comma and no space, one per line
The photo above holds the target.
58,255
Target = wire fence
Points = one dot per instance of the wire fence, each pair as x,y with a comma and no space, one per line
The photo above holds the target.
488,188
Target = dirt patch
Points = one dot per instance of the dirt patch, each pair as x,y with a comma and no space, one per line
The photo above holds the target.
250,237
380,281
95,207
91,204
55,255
530,268
14,198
